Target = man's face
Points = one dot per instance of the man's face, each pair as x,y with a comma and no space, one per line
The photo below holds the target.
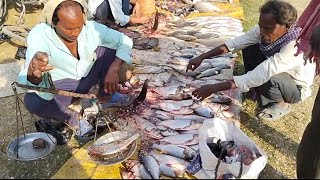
70,23
270,31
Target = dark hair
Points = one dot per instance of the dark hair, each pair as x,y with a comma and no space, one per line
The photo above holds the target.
315,40
64,4
283,12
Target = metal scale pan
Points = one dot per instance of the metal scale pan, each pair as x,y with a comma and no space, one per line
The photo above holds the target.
25,149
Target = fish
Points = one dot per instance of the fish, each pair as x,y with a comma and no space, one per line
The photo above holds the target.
206,35
147,127
204,111
190,117
203,66
185,37
168,132
195,147
209,72
181,139
169,105
129,175
182,111
164,115
196,131
137,168
181,124
113,147
167,90
220,98
167,171
179,151
177,97
206,7
151,165
179,165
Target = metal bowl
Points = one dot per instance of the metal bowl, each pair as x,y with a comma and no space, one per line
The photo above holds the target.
117,157
25,150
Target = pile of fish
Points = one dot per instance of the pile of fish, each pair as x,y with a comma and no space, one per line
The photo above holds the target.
205,28
168,122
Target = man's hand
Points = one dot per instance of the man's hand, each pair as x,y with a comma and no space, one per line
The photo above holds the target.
194,63
206,90
203,92
111,80
37,66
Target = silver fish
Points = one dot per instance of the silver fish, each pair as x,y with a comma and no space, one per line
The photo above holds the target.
167,171
179,151
148,128
175,163
181,124
209,72
182,111
169,132
221,99
151,164
169,105
204,111
113,147
190,117
181,139
167,90
137,168
189,131
165,115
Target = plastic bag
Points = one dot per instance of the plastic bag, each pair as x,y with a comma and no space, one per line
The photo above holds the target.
218,128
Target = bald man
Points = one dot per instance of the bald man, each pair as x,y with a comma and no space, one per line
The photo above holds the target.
78,54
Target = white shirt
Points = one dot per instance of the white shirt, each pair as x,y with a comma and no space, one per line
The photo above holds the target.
116,9
284,61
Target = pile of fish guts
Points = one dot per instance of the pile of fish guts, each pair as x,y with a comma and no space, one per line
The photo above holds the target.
168,122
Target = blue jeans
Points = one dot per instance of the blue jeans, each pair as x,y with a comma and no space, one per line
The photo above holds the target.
103,11
57,108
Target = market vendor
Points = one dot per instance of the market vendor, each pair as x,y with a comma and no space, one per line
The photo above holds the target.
78,54
272,69
123,12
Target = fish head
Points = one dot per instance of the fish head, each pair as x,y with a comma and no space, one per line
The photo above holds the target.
129,164
128,175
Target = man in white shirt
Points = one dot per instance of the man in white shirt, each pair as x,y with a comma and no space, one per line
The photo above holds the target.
117,10
271,67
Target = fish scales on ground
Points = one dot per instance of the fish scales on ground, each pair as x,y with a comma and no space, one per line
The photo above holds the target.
179,151
181,124
151,165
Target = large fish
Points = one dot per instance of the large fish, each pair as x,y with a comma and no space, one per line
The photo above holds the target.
179,151
179,165
181,139
169,105
151,164
137,168
111,147
209,72
189,117
181,124
147,127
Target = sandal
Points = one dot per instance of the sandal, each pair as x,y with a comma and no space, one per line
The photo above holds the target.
145,43
117,100
273,112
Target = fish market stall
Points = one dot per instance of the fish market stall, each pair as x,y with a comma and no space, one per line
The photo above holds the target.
163,130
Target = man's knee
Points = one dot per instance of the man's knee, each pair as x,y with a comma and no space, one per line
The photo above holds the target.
31,101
